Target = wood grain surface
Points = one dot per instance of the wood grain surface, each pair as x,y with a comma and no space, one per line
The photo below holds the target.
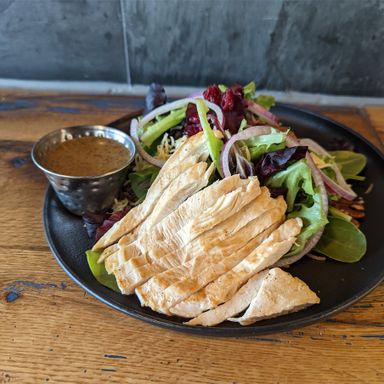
53,331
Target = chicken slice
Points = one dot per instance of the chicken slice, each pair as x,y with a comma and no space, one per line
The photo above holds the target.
223,288
280,293
110,250
233,232
188,154
174,285
235,305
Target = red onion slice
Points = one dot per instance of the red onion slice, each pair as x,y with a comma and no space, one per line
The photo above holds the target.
219,113
347,194
180,104
146,156
313,146
164,109
263,113
319,182
246,134
341,188
311,243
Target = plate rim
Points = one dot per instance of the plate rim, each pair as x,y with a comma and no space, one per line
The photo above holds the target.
253,330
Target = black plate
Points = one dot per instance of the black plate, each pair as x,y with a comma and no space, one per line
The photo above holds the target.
338,285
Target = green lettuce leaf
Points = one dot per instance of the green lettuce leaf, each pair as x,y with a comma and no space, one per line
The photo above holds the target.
154,131
342,241
259,145
142,180
215,145
298,178
99,271
249,90
265,101
257,151
313,218
350,163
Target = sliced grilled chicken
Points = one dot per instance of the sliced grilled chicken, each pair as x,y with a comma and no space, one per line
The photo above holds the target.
240,301
224,207
185,185
248,190
193,207
174,221
237,229
222,289
138,214
280,293
188,154
174,285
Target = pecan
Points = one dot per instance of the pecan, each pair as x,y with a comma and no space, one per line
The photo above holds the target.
357,207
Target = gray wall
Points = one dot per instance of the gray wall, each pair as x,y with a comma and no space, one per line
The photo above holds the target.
327,46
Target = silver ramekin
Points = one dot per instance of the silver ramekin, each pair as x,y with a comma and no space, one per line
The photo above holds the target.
81,194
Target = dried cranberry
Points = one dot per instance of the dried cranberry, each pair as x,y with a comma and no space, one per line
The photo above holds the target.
118,215
238,90
213,94
192,122
192,129
228,100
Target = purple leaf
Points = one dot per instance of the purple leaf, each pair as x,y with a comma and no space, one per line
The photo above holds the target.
273,162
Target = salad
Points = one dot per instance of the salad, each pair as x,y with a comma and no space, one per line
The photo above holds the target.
316,183
221,195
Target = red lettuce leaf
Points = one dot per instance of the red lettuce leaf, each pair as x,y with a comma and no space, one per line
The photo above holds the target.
273,162
98,224
109,221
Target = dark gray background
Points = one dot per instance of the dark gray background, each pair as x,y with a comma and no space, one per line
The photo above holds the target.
327,46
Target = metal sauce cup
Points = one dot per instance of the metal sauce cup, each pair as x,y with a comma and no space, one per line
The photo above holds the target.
81,194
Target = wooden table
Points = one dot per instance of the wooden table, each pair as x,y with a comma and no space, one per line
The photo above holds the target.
53,331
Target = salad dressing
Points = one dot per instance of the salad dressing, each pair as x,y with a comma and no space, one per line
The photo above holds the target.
86,156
